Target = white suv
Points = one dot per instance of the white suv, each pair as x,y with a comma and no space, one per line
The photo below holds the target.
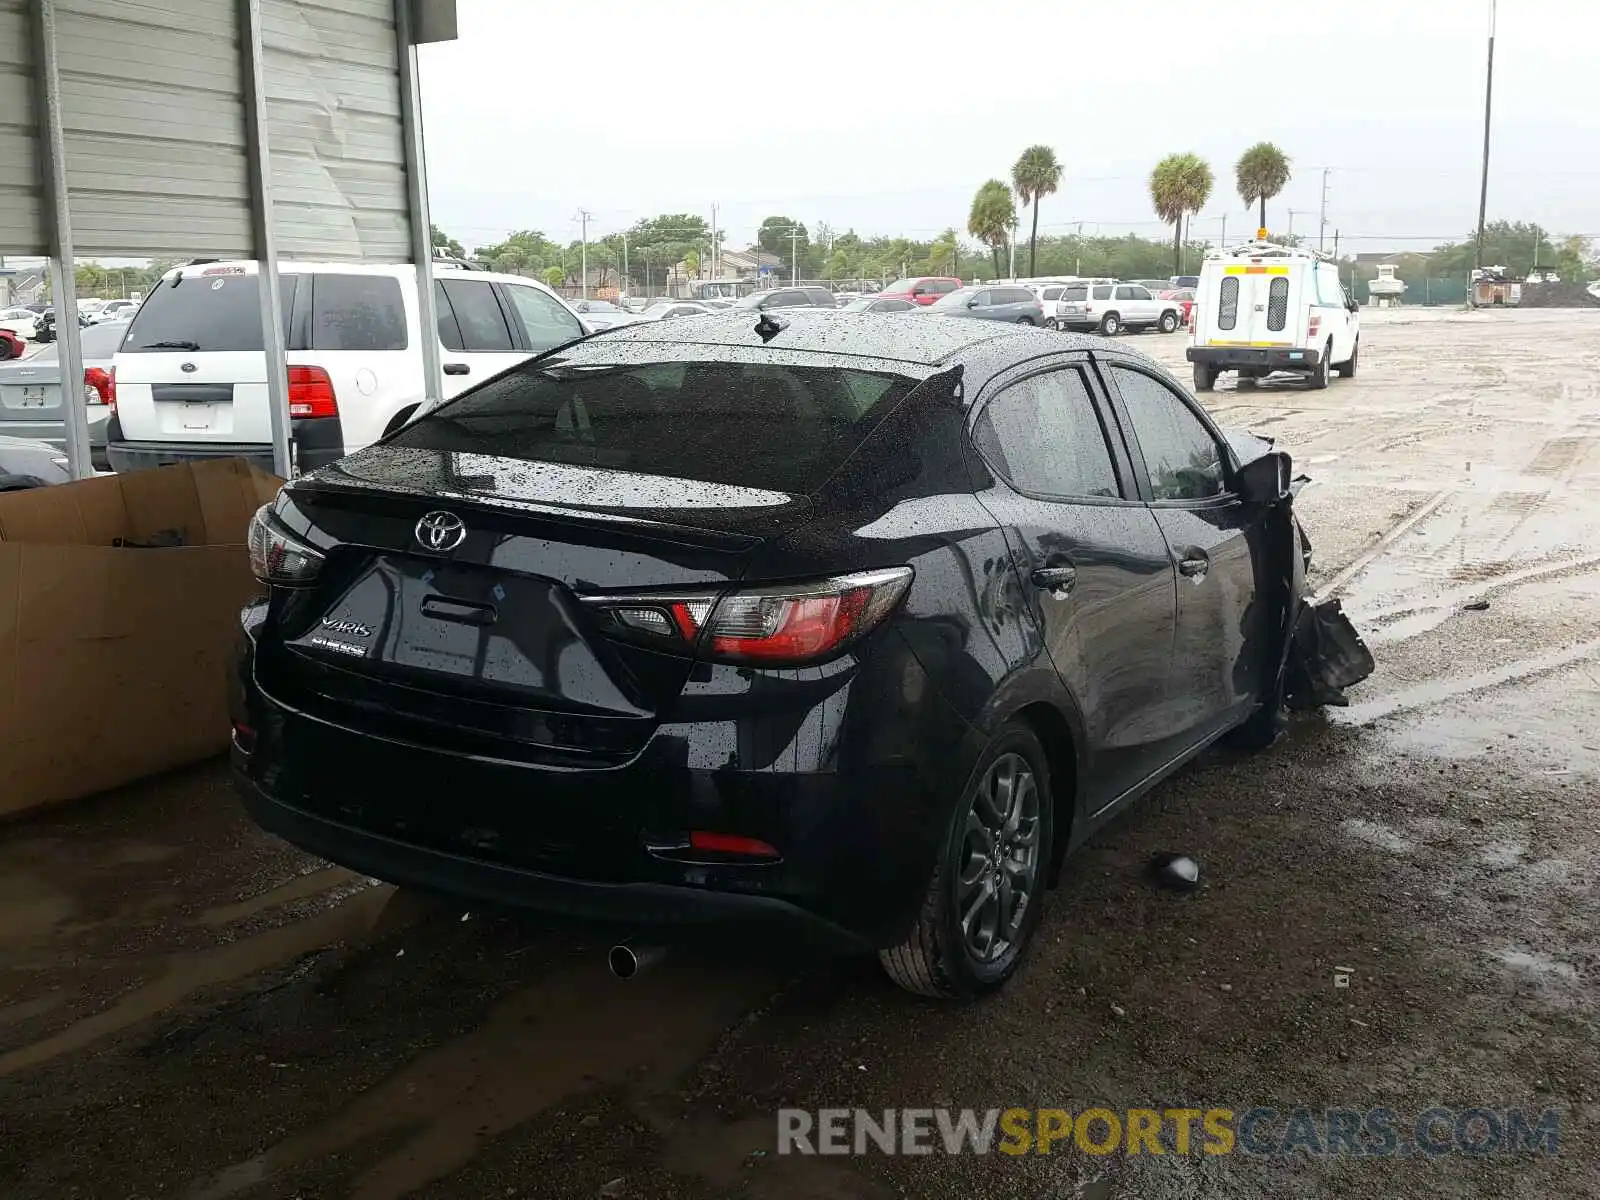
191,376
1109,308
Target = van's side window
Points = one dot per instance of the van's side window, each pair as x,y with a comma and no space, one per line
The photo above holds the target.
1228,302
1278,303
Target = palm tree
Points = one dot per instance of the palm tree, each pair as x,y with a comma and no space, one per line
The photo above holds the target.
1035,175
992,217
1180,184
1263,172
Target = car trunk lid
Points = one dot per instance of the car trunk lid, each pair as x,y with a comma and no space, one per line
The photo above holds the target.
478,639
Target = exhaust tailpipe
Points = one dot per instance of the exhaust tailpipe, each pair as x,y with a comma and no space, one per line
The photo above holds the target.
627,961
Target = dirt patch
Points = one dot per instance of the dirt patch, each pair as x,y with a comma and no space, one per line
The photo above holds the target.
1556,295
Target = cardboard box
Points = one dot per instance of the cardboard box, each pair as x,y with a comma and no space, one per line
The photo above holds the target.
119,601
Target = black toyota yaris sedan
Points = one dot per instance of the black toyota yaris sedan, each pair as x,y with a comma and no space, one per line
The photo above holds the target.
838,619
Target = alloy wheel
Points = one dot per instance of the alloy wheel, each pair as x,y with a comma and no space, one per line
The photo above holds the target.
999,864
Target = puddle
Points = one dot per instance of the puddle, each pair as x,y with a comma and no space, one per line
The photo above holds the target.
1503,856
577,1028
1377,835
185,974
302,887
30,909
1538,964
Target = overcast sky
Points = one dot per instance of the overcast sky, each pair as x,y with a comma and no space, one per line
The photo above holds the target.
884,115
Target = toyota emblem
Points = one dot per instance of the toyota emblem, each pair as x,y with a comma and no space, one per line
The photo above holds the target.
188,368
440,531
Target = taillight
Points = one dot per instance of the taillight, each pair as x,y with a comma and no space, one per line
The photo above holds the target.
311,393
1313,323
778,625
277,556
100,386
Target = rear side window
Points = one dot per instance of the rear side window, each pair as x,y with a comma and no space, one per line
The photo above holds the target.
751,424
1125,293
481,324
1042,436
546,321
1228,302
357,312
205,313
1103,292
1278,303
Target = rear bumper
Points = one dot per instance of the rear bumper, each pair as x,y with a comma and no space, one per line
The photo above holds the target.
315,442
433,869
1274,359
858,830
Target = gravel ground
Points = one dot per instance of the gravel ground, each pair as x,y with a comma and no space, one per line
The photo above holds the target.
190,1008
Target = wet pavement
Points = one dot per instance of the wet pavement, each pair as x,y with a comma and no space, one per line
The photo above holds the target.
190,1008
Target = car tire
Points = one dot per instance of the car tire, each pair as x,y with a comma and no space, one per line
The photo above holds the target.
1320,373
1024,320
1205,377
1169,322
1051,323
1110,325
1348,370
945,957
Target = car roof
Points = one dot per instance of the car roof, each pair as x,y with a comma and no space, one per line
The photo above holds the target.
927,342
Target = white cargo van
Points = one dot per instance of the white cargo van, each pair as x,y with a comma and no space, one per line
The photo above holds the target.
1262,308
191,376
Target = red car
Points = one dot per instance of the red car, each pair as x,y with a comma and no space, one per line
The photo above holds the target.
10,345
922,289
1185,297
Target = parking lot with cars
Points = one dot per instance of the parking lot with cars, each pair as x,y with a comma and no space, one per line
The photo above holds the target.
1395,907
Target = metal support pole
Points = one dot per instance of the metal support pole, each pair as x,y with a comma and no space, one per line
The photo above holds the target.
1322,222
58,227
417,200
256,154
1488,109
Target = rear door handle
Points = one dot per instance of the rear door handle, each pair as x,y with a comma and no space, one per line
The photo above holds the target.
457,369
1194,566
1058,580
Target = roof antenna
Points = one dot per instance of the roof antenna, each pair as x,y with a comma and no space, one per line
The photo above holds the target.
770,326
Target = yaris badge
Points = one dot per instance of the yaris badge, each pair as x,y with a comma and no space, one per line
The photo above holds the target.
440,531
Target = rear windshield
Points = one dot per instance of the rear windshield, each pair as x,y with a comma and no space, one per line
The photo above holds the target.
223,312
203,312
750,424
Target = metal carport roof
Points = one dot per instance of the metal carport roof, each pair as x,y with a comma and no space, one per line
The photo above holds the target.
215,128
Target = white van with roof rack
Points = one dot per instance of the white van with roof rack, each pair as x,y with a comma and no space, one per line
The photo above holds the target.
191,376
1262,308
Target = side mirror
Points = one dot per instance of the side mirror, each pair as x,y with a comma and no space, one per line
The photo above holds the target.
1265,480
1355,305
973,303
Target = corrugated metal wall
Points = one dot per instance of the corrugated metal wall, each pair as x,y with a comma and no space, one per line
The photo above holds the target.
333,111
22,229
154,127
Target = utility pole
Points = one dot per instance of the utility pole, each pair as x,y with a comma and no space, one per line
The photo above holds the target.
1013,269
715,274
1291,221
1322,224
583,219
624,261
1535,247
1488,109
1223,237
794,255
